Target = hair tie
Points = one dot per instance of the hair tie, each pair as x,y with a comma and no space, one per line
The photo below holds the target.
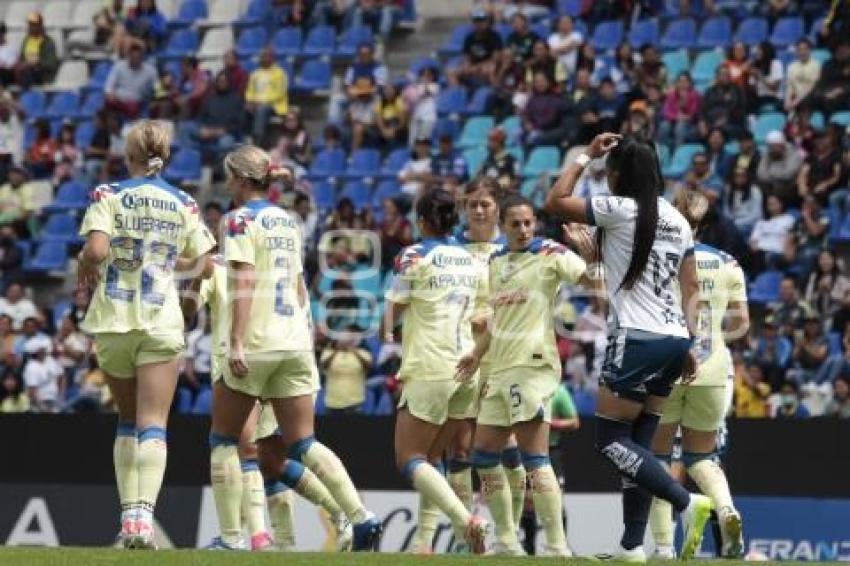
155,165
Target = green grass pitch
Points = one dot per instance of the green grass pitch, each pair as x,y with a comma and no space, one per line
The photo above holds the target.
102,557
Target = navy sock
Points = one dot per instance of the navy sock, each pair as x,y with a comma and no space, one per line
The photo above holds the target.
614,442
636,500
643,429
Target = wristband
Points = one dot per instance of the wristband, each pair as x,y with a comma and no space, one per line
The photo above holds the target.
582,160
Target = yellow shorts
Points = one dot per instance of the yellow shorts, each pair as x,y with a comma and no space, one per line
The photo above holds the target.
120,354
697,407
267,425
217,365
276,375
518,395
437,401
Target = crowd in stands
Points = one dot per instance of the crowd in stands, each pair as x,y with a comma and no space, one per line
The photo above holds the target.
748,102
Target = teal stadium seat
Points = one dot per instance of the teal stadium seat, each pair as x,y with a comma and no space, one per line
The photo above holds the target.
766,123
475,130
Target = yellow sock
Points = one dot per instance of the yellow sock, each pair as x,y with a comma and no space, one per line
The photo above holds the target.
546,493
150,461
497,495
226,476
124,457
330,471
432,485
517,482
306,484
661,516
712,482
253,498
281,510
460,478
426,525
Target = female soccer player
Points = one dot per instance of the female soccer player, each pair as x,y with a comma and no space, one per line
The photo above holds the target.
436,286
135,230
650,272
700,406
270,354
525,372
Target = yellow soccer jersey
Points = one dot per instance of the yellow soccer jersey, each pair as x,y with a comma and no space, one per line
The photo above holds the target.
721,282
213,292
149,224
438,280
269,238
523,288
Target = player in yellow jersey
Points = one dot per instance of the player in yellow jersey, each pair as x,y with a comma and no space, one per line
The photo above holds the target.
435,285
135,231
270,351
700,406
525,371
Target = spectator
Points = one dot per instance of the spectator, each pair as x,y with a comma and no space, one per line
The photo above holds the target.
723,106
343,217
8,58
377,15
751,392
564,44
738,64
69,158
345,365
307,219
8,341
680,112
395,232
38,60
17,306
520,41
500,164
145,26
391,118
362,117
543,61
810,349
769,236
838,407
13,399
365,66
766,76
108,32
772,353
11,134
748,155
831,93
651,72
594,65
130,84
194,85
294,130
266,95
800,131
199,345
481,49
98,151
281,156
541,120
236,74
608,106
533,9
579,121
40,158
810,236
421,100
841,320
11,258
775,9
743,201
43,377
789,312
331,13
719,160
72,348
778,168
827,285
624,71
803,73
416,173
836,24
790,403
448,167
821,172
15,199
836,366
701,178
219,125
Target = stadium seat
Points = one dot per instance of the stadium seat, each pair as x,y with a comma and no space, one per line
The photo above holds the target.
572,8
185,166
766,123
385,405
99,76
72,75
512,125
189,12
255,14
480,102
62,105
446,127
644,31
607,35
84,134
48,257
203,402
765,287
327,164
221,13
71,195
364,163
543,159
359,193
842,235
385,190
681,160
454,45
421,63
474,157
183,403
286,42
817,120
787,31
60,228
325,196
394,162
840,118
17,12
504,29
752,31
320,42
252,40
315,77
675,62
351,39
452,101
90,106
475,132
680,34
216,42
33,103
704,68
407,17
715,32
182,43
57,15
83,13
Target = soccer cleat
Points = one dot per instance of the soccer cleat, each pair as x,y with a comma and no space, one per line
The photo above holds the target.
476,534
731,529
502,549
262,542
143,536
125,535
344,533
556,551
694,518
633,556
664,553
218,544
367,535
460,547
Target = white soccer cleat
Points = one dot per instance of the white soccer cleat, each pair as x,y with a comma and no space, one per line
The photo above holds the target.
732,533
344,532
633,556
664,553
556,551
502,549
694,518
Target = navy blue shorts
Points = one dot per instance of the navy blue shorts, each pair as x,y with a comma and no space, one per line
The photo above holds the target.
638,363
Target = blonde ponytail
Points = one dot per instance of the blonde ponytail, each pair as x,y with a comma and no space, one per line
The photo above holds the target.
148,145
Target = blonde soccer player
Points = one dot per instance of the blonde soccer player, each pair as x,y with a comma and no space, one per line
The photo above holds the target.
525,372
135,231
270,351
699,407
435,288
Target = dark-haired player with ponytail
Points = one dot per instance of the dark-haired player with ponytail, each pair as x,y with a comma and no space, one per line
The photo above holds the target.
647,250
436,287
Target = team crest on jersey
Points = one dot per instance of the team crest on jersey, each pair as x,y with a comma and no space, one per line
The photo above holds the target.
407,259
551,247
102,191
237,225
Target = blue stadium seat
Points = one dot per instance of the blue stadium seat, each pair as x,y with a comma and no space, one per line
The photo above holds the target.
71,195
325,196
98,77
607,35
504,29
814,31
644,31
203,402
60,228
681,160
363,163
48,257
715,32
385,405
360,194
84,134
188,13
452,101
787,31
765,123
385,190
704,68
315,77
92,103
185,166
681,33
752,31
351,39
454,45
25,247
422,63
475,132
328,163
394,162
446,127
255,14
252,40
543,159
572,8
512,125
675,62
61,309
842,235
480,102
765,287
287,42
321,41
33,103
182,43
63,104
840,118
184,401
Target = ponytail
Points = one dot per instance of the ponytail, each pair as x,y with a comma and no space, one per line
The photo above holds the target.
437,208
